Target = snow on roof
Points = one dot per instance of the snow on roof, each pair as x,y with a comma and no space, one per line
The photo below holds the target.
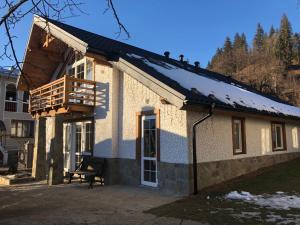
231,94
8,72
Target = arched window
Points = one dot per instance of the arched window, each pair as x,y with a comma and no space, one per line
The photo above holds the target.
11,98
25,101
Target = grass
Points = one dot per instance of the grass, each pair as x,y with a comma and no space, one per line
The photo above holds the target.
211,207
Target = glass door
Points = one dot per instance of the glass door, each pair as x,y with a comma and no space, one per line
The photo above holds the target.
78,142
67,147
83,141
149,151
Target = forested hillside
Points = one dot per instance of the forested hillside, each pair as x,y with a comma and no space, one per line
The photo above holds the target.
269,63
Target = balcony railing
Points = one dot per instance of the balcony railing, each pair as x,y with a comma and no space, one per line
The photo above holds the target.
67,94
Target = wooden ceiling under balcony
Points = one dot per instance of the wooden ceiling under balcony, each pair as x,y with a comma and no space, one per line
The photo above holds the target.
42,57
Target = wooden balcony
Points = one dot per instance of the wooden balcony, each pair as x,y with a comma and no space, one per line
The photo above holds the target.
65,95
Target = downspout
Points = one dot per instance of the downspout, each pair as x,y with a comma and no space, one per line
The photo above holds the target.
195,173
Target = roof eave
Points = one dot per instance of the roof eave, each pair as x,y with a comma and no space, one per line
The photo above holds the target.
190,105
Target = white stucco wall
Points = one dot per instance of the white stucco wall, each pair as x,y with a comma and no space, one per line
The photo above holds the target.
103,111
135,97
214,137
123,94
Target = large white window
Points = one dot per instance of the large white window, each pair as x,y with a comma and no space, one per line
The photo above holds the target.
80,67
238,136
278,136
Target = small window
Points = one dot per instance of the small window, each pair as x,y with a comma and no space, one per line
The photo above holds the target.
25,101
22,128
278,136
238,136
11,98
80,71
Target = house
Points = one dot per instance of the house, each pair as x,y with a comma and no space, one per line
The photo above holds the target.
91,95
16,124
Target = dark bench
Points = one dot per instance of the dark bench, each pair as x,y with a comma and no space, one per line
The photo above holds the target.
90,168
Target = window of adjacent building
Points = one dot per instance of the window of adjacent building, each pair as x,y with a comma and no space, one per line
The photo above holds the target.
278,136
11,98
238,136
22,128
25,101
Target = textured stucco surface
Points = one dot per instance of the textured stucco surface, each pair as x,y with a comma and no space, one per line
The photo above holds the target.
133,97
103,112
214,137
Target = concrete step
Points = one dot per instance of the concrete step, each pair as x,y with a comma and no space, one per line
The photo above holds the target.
6,180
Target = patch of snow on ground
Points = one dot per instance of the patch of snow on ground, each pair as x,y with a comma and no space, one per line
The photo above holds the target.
277,201
228,93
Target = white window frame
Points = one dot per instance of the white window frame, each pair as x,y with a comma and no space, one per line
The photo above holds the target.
276,147
72,138
83,61
148,183
239,122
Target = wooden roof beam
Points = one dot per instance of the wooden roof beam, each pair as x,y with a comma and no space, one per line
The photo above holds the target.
50,55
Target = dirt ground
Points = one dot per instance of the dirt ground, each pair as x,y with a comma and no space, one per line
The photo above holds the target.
37,203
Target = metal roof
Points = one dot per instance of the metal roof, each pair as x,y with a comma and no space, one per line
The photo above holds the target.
114,50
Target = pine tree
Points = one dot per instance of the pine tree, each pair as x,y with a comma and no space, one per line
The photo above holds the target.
272,31
227,46
296,48
227,57
259,39
240,51
284,45
244,42
237,41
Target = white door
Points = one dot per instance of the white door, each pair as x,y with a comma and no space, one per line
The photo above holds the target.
67,147
149,151
78,141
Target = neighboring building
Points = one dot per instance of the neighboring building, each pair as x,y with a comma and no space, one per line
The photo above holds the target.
17,125
95,96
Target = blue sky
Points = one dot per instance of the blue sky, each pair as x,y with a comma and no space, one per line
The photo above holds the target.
194,28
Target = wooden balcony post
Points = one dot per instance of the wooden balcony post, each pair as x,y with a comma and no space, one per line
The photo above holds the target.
66,90
95,94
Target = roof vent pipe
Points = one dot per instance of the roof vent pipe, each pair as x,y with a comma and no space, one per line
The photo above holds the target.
167,54
181,57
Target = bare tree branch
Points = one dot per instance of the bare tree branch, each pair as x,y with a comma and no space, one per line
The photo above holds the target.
120,24
14,12
11,10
